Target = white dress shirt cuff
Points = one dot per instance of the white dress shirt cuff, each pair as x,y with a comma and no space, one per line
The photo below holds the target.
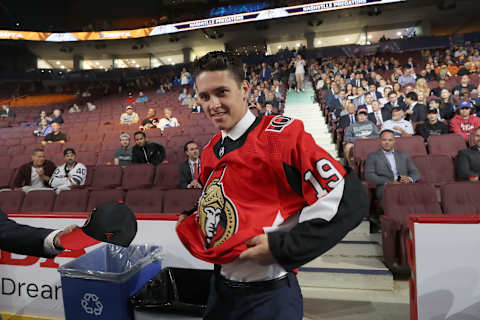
48,244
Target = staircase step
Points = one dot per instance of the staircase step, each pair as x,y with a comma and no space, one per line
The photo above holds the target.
356,249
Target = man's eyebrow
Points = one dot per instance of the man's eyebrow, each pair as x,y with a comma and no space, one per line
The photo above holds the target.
215,89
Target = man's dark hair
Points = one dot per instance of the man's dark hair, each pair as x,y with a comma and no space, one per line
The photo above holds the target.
396,109
37,150
387,130
69,150
220,61
185,147
412,96
393,92
140,132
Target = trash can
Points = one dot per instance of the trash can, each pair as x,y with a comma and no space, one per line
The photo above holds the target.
98,285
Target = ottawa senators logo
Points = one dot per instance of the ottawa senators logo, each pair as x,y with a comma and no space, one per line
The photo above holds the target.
217,215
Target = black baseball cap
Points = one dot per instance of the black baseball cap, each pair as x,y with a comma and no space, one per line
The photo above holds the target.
432,110
69,150
111,222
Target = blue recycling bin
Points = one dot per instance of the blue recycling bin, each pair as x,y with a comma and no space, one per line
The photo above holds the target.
98,285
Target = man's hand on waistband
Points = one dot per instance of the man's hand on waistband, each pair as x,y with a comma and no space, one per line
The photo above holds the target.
258,250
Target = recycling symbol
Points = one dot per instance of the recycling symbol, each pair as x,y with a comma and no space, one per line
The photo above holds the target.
91,304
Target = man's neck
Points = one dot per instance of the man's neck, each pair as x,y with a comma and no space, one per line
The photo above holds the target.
193,159
433,122
37,165
71,166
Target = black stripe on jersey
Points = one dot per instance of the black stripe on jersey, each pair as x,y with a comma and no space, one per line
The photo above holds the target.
76,180
294,178
234,145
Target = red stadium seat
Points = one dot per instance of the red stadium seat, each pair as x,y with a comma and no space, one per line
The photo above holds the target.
20,160
361,148
461,198
110,145
435,169
105,158
5,177
414,145
16,150
91,146
448,144
138,176
178,200
11,201
400,200
5,161
166,176
101,196
107,177
71,201
53,148
39,201
87,158
145,201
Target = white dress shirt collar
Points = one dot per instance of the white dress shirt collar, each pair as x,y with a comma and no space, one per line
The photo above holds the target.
241,127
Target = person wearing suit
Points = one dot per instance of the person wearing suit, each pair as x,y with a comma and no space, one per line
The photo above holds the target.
6,112
31,241
467,162
189,170
349,118
265,73
379,115
415,112
393,102
373,91
389,166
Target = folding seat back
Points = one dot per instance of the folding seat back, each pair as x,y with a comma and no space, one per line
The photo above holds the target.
20,160
138,176
461,198
53,148
435,169
414,145
107,177
145,201
41,200
87,158
178,200
90,174
5,177
11,201
71,201
166,176
101,196
448,144
4,161
361,148
90,146
15,150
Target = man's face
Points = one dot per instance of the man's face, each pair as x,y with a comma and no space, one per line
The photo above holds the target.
222,98
38,158
397,115
341,95
476,139
140,140
375,106
351,108
43,114
192,151
362,117
441,84
465,112
360,91
167,113
129,111
56,113
432,117
124,142
465,80
269,107
150,112
368,99
387,141
55,127
392,98
70,158
372,88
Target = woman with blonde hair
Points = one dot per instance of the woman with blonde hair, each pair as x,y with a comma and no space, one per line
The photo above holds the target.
422,86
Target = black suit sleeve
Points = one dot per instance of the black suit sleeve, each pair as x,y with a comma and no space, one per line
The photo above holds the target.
22,239
462,165
184,178
310,239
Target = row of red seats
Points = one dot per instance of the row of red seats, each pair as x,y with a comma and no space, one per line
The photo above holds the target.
136,176
404,199
140,201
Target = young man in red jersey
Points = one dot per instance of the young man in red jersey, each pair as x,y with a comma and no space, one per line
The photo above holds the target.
272,201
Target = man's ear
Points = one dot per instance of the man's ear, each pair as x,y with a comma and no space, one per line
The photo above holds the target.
245,87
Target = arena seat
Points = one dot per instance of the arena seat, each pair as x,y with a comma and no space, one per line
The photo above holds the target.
178,200
5,161
145,201
5,177
101,196
41,200
106,177
110,145
461,198
435,169
166,176
448,144
90,146
414,145
19,160
361,148
138,176
53,148
11,201
15,150
71,201
87,158
90,174
400,200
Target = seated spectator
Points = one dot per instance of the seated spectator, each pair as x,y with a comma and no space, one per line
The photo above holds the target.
35,174
184,78
393,102
415,111
145,151
434,103
141,97
196,107
464,84
168,120
361,129
368,102
438,90
189,170
130,99
398,125
269,110
373,91
270,98
70,175
183,94
467,162
43,129
74,108
464,122
379,115
7,112
447,105
150,121
55,136
129,116
432,126
349,118
123,155
57,116
389,166
188,100
90,107
43,115
160,90
407,77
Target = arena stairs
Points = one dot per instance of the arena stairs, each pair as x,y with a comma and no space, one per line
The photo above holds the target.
356,262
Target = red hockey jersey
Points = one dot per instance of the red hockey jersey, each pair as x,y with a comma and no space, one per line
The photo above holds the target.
273,172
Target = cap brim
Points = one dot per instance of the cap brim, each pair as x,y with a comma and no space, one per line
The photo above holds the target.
76,240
